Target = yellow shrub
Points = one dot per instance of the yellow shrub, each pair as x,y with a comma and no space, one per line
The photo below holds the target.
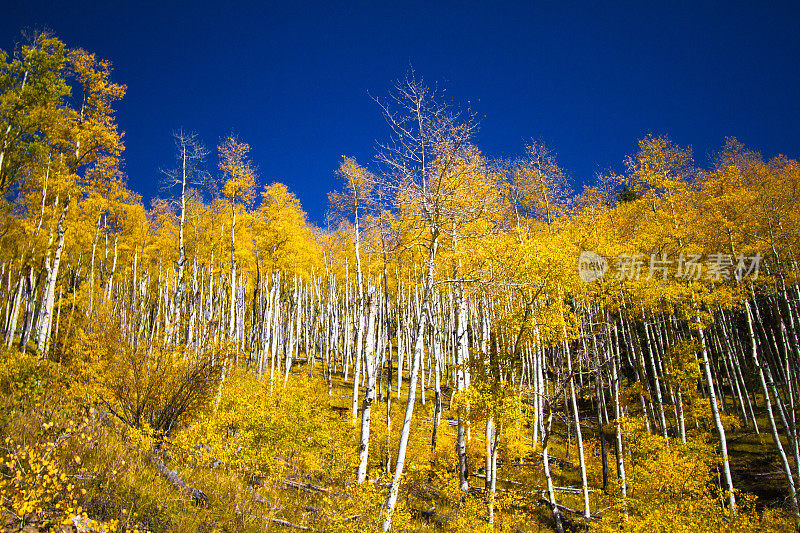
671,488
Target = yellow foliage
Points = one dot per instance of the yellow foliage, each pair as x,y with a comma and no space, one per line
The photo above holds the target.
671,488
253,426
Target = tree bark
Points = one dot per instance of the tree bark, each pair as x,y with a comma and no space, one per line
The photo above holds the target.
369,396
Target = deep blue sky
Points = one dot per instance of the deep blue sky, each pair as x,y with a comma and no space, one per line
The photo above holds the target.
292,79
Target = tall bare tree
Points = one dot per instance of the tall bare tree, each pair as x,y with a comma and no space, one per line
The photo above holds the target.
423,162
186,178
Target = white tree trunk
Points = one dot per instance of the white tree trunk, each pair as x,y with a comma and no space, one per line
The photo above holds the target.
50,285
370,364
723,443
419,349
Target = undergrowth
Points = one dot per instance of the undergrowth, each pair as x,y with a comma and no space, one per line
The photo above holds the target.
266,455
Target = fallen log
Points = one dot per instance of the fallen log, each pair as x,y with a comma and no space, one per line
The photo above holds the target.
569,490
198,496
563,463
259,498
307,487
289,524
734,439
543,501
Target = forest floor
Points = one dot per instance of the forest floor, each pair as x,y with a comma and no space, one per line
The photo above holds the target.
284,459
755,464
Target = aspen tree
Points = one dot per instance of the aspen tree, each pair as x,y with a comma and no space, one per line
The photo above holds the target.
424,156
33,87
92,145
370,369
190,154
239,188
358,184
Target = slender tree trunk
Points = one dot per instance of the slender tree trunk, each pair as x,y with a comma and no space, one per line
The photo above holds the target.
618,423
462,355
492,470
587,513
15,307
419,348
369,396
723,443
50,285
770,415
551,493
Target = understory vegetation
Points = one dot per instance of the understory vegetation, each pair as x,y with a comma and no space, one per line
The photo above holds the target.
469,345
285,459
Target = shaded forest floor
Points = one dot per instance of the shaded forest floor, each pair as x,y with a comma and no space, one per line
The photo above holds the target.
755,465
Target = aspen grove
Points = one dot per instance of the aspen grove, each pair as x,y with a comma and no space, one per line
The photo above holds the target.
470,344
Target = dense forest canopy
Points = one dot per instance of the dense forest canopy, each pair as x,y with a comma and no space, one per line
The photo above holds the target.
469,344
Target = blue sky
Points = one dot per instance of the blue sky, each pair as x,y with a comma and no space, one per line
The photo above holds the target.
294,79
